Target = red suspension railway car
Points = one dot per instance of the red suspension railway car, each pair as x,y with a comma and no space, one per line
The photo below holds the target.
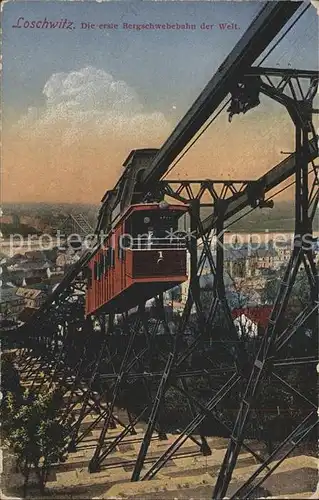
141,258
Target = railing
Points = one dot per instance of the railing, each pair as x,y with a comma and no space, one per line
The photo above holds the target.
155,244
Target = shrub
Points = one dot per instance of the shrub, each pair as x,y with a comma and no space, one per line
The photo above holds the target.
33,429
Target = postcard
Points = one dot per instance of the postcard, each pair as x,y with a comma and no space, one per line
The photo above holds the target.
159,249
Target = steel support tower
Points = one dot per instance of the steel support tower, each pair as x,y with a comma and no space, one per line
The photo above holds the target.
139,359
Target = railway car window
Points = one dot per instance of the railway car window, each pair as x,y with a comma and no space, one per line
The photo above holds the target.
105,263
95,270
110,252
87,274
159,223
128,226
112,257
120,247
89,277
101,266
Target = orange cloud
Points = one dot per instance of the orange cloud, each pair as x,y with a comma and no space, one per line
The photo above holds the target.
72,149
43,170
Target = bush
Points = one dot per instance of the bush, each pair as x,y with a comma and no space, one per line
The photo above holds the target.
32,427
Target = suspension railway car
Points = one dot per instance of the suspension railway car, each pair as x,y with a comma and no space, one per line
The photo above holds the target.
141,258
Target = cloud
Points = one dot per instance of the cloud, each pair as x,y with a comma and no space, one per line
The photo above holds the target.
89,101
73,148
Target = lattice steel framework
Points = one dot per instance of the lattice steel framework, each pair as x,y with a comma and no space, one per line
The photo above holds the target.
278,334
98,363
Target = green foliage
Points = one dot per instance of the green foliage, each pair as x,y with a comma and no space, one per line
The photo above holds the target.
177,411
10,381
300,295
34,431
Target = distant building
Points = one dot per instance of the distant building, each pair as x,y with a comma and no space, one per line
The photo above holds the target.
6,219
264,257
65,259
251,321
33,298
10,303
236,261
14,301
27,273
18,258
283,252
33,222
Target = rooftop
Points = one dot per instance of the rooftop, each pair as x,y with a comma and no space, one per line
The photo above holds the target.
8,294
259,315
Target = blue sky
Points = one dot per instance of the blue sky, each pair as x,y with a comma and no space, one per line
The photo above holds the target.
76,102
156,64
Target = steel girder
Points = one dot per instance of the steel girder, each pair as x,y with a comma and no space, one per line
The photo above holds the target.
124,368
263,29
54,334
68,368
138,363
277,335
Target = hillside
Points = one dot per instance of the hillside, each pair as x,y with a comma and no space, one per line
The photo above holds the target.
279,218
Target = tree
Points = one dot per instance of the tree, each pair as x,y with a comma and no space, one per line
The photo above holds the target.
300,294
10,380
34,431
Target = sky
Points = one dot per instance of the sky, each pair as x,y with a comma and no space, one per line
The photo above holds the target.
76,101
